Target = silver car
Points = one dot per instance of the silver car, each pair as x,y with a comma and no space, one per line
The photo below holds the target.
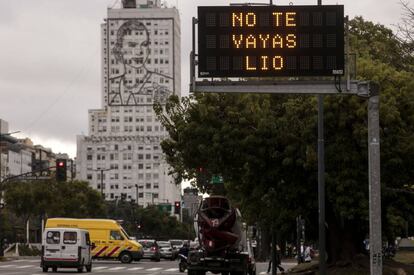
151,250
166,250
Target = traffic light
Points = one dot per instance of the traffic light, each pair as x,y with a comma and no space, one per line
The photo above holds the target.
177,207
61,169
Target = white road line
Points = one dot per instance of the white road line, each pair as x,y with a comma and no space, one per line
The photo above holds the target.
34,261
263,272
99,267
18,261
117,268
153,269
5,266
171,269
24,266
135,268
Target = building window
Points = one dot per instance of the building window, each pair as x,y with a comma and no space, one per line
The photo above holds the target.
148,185
89,176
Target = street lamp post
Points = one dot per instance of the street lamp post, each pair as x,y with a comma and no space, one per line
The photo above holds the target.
136,193
102,174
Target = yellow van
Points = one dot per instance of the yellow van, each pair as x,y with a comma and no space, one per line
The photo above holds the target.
109,240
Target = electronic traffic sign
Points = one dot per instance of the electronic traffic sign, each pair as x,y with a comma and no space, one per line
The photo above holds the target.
260,41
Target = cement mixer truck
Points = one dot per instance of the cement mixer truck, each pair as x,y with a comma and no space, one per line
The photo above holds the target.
223,247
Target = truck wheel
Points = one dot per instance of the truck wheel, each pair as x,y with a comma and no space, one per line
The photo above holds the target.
54,269
125,258
80,269
45,268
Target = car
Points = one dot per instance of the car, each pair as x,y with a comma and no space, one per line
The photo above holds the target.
176,245
151,250
166,250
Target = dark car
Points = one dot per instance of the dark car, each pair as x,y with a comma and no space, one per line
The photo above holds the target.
151,250
166,250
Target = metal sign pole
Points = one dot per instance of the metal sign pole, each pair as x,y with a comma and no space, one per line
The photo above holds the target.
321,184
375,238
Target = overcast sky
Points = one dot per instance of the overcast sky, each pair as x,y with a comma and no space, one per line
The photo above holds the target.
50,60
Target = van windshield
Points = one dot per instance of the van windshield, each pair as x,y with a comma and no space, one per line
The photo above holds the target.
125,234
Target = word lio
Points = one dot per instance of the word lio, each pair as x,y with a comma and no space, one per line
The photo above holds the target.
266,63
249,19
263,41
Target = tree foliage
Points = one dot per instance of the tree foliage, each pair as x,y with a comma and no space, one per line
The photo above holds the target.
265,146
152,222
54,199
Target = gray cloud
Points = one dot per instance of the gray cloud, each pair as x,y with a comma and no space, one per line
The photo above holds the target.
50,59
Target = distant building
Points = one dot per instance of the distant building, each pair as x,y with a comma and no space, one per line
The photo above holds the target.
191,200
22,157
140,66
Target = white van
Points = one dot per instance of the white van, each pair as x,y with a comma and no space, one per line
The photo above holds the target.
66,248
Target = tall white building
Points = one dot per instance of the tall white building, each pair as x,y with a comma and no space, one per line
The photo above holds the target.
140,66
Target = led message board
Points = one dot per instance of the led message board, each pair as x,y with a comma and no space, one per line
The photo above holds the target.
259,41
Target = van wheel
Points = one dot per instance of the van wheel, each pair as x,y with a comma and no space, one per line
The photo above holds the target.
45,268
89,268
54,269
80,269
125,257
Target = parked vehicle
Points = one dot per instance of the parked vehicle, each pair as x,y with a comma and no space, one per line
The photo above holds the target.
109,240
151,250
66,248
166,250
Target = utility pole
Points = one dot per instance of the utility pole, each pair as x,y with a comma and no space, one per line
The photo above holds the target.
102,174
321,183
375,238
136,193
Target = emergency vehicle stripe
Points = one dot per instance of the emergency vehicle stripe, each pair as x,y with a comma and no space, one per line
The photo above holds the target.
113,251
129,247
101,251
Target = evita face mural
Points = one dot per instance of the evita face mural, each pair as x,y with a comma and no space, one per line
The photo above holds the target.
139,69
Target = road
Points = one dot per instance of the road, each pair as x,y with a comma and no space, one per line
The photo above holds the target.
31,267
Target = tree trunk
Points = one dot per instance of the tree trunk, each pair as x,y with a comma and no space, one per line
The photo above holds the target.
344,241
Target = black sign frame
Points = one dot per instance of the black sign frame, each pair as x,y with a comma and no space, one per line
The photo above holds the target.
324,28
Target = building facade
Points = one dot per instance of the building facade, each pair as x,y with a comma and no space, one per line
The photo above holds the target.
121,156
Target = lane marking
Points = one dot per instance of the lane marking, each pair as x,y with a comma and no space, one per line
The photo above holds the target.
117,268
99,267
171,269
18,261
24,266
5,266
34,261
135,268
153,269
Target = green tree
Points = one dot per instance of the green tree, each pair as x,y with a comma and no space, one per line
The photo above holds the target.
264,146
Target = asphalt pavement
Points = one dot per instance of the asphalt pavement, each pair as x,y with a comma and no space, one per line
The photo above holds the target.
31,266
